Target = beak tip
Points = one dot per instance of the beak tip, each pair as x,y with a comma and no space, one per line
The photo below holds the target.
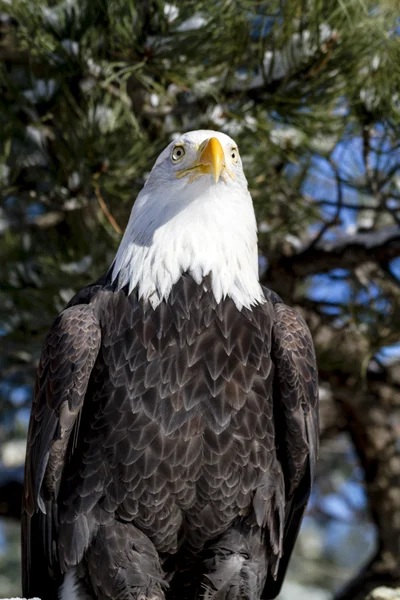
213,155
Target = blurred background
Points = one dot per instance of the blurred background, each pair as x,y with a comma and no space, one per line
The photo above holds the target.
92,90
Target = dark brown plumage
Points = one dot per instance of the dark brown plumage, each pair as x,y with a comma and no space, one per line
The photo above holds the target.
170,450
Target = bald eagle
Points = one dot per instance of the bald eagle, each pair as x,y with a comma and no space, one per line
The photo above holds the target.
174,430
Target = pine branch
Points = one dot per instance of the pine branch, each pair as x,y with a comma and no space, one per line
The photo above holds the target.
348,252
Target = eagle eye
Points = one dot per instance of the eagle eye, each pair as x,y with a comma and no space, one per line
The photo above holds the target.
178,153
234,155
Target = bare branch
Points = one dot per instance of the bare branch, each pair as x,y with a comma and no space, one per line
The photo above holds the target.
347,252
106,210
366,402
336,216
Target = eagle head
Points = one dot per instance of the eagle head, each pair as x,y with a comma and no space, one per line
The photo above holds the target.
194,215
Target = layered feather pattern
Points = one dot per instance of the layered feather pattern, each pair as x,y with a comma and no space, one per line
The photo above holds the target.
157,431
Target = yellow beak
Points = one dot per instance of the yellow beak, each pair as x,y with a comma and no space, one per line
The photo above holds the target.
213,156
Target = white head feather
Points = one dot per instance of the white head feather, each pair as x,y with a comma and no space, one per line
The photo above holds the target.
201,227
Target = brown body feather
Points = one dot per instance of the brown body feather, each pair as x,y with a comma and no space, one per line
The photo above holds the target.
168,444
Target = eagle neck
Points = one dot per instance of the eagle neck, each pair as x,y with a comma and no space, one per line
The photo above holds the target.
214,236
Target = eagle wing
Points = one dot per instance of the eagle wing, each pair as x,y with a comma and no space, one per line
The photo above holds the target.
296,426
66,362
